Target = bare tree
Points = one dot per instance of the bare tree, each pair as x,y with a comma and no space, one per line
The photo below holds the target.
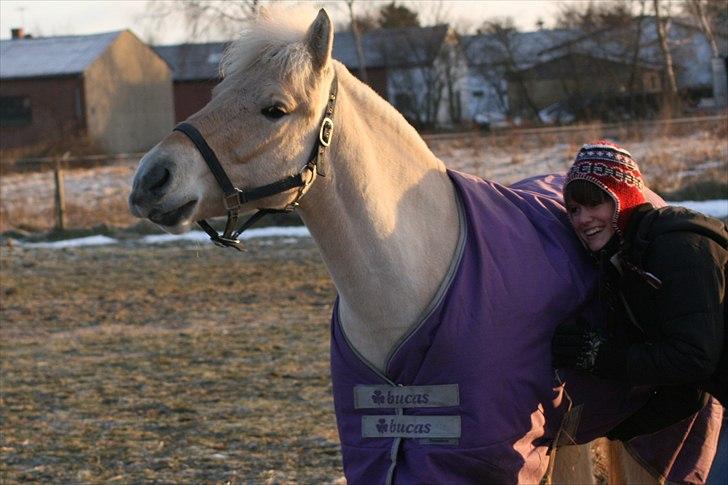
699,11
487,68
204,19
415,80
662,20
698,8
506,39
357,42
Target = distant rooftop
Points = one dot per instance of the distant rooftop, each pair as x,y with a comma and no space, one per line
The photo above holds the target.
51,56
382,48
391,47
193,62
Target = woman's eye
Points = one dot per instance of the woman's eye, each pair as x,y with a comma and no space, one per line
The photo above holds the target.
273,112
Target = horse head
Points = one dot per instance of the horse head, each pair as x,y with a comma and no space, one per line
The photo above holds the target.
275,86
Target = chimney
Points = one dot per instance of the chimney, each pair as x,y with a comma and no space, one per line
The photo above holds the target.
17,33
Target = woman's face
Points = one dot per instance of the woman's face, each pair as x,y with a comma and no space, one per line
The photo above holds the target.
593,224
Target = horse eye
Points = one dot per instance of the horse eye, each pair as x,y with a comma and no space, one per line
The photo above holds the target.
273,112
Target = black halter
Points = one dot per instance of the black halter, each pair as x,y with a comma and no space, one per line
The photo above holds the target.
235,198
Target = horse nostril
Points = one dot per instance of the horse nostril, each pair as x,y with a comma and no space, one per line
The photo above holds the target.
162,181
157,178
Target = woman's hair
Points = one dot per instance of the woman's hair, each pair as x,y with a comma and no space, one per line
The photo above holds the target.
585,193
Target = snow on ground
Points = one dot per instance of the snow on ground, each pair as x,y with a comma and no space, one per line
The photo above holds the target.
714,208
289,231
73,243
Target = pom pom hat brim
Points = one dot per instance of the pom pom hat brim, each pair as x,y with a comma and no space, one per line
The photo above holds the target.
612,169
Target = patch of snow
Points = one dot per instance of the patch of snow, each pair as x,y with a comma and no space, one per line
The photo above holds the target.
200,236
74,243
290,235
713,208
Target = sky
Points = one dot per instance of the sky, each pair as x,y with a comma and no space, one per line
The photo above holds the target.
71,17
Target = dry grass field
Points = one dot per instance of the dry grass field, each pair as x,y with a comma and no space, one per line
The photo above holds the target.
167,364
186,363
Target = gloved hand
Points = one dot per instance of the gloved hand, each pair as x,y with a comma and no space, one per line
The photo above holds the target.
575,346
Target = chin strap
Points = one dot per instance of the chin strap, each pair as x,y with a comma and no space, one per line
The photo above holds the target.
235,198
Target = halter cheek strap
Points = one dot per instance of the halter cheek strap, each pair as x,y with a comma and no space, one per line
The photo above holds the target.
235,198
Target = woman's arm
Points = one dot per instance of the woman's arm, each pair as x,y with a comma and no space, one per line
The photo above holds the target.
689,312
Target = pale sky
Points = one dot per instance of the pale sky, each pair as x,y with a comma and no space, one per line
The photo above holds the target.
68,17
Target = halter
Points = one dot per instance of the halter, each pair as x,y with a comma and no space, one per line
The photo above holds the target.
235,198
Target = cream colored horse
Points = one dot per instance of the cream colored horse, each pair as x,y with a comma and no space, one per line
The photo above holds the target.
384,217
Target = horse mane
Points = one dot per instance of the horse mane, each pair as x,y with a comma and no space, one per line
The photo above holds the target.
275,36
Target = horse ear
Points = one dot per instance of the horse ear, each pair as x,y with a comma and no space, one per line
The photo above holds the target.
320,39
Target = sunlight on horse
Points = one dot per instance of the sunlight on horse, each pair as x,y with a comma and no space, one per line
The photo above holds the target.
406,241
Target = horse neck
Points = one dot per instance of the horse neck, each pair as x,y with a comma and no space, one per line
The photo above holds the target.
385,220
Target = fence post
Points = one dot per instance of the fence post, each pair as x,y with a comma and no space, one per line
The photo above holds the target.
60,194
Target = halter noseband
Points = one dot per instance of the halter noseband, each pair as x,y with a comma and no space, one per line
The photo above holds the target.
235,198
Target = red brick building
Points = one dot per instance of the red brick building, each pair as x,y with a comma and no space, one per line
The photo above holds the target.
195,69
109,90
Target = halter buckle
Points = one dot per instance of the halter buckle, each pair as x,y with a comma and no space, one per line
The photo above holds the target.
232,201
327,128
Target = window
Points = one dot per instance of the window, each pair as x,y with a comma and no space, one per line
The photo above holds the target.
651,82
15,110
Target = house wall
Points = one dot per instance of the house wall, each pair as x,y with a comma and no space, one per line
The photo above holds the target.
376,79
578,76
191,96
128,90
56,106
487,94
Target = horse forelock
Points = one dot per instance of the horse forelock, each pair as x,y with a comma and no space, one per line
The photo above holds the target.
274,38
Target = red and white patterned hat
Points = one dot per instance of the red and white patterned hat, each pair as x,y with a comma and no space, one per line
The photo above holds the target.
612,169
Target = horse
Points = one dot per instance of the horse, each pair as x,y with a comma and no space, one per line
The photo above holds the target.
448,286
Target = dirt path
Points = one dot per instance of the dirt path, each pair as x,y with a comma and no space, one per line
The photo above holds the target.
167,364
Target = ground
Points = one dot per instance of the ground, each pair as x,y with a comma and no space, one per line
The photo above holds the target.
189,363
167,364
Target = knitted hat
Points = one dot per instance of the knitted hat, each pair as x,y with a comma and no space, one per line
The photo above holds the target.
612,169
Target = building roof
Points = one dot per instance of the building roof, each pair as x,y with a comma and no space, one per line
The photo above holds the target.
521,48
392,47
382,48
193,62
688,45
52,56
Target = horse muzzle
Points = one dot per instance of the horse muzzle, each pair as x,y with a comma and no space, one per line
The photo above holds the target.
152,195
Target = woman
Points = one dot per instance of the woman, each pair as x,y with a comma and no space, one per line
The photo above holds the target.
662,288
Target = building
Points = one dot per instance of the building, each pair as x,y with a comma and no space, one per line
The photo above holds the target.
494,60
417,69
577,85
195,71
109,91
610,72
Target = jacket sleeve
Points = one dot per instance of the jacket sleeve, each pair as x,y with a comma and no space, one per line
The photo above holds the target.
689,308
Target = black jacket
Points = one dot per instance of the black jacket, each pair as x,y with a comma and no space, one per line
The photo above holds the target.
668,333
677,333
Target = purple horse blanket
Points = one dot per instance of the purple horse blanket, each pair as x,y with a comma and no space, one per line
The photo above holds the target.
469,395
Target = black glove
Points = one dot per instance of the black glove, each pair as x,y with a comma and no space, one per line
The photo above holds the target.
575,346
